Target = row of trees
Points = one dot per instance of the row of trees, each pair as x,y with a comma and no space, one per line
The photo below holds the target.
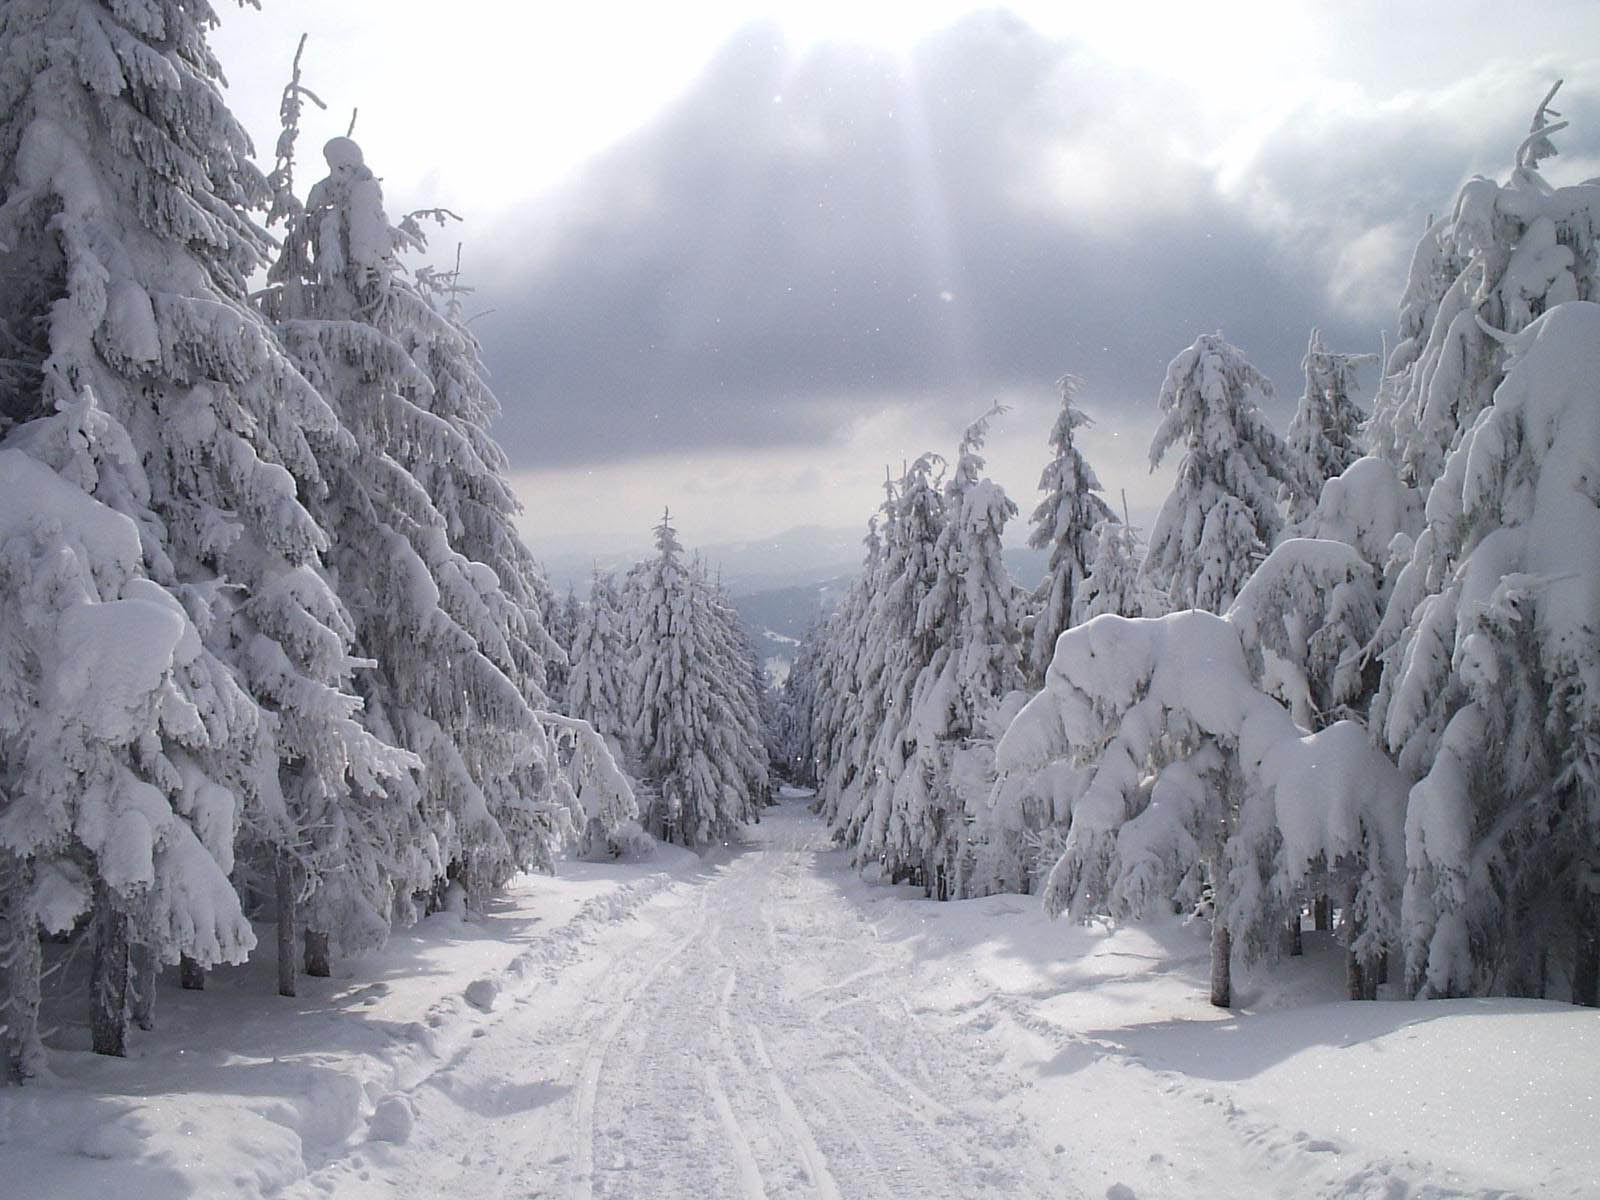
663,666
270,642
1376,690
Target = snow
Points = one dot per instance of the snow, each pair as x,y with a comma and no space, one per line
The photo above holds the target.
762,1021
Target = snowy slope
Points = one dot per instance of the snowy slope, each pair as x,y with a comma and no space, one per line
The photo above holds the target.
763,1023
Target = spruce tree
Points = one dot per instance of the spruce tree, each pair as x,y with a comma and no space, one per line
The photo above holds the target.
1116,582
456,669
1064,523
150,384
1506,254
596,686
690,733
1222,515
1487,680
1188,787
969,617
904,636
1325,436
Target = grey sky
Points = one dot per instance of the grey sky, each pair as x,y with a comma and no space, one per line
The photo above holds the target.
817,257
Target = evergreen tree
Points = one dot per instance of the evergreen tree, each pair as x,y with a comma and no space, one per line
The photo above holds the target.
1116,582
690,735
1325,435
1488,698
849,706
1507,253
1305,618
969,618
1064,523
471,489
797,709
1222,515
149,383
1486,691
127,751
1188,787
903,636
455,679
739,685
596,687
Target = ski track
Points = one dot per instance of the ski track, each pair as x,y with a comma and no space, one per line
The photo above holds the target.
706,1051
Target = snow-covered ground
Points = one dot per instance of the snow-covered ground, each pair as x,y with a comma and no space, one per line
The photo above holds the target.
761,1022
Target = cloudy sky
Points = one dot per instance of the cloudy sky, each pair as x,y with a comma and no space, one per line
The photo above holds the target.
736,258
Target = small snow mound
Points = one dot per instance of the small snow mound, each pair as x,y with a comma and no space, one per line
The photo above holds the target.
1120,1191
119,1139
482,993
392,1120
343,152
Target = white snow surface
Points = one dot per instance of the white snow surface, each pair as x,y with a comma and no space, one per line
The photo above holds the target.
761,1022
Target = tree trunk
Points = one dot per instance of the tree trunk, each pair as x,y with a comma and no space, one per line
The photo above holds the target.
21,1053
1322,914
1221,967
108,980
1292,944
1586,969
285,877
1355,985
146,969
318,963
191,975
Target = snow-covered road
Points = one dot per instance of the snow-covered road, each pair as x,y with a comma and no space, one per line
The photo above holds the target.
763,1022
749,1035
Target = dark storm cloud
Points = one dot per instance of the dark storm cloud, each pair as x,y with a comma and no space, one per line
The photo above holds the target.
800,237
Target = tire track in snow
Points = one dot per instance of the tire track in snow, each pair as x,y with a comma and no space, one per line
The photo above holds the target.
744,1159
594,1061
816,1164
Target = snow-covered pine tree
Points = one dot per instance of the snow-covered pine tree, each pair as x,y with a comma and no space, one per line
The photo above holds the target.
150,384
1505,254
1065,523
1486,694
797,708
1222,515
1188,785
456,672
1491,694
597,685
471,487
1371,510
1325,435
562,627
1305,617
1023,821
1116,582
899,639
850,681
686,738
971,615
127,751
738,684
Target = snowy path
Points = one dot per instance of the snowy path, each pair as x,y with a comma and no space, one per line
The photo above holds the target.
765,1023
747,1036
